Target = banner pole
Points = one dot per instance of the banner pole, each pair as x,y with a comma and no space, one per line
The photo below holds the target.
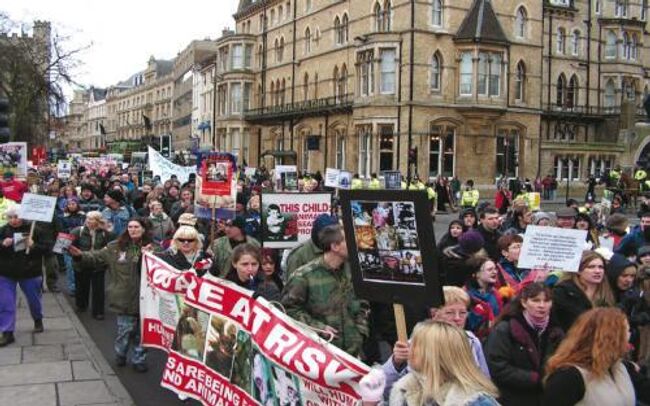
400,322
31,234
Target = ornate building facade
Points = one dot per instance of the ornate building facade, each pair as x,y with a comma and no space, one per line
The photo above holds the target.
480,88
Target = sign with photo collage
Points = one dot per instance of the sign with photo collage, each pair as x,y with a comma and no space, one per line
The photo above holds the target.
391,247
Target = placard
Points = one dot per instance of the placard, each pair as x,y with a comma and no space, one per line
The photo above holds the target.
392,180
287,218
391,247
332,177
63,242
345,180
13,158
163,167
37,208
64,169
552,247
231,348
216,188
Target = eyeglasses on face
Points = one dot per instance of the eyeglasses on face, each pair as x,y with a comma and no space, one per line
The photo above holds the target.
186,240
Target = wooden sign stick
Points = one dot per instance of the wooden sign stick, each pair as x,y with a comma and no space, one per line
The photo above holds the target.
31,235
400,322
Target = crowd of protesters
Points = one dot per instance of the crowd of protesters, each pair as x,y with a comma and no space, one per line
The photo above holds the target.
505,335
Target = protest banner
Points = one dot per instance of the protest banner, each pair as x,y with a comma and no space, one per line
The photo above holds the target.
64,169
216,187
552,247
391,248
332,177
287,218
37,208
162,289
13,158
232,349
161,166
392,180
63,242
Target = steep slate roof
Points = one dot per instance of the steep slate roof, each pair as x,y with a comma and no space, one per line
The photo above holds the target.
481,25
164,67
98,94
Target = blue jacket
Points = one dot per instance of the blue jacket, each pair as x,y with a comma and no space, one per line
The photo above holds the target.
118,218
631,243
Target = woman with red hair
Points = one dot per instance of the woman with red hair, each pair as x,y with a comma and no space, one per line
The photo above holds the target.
588,367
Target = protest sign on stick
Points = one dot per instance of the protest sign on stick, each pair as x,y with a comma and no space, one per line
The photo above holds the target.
36,208
552,247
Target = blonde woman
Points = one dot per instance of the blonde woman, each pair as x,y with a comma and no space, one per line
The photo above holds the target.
185,252
443,371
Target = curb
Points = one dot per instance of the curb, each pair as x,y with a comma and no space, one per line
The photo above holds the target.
96,357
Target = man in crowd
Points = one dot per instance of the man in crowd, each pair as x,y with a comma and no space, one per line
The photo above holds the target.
222,247
116,213
636,238
11,188
320,294
88,201
566,217
308,250
489,229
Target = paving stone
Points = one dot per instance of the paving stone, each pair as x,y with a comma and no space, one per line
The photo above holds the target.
29,395
50,324
23,338
43,353
83,393
83,371
10,355
75,352
57,337
42,372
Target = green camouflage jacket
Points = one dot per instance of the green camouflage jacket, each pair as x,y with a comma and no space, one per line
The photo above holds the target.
222,253
320,297
300,255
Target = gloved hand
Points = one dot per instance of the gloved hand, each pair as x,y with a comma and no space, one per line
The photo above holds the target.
371,386
204,264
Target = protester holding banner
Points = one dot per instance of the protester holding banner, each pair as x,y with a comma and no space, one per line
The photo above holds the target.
186,254
222,248
21,261
245,268
518,346
91,236
122,258
589,367
581,291
320,294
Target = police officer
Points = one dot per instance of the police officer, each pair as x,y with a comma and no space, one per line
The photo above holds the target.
470,196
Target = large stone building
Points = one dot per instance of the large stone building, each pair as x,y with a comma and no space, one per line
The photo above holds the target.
480,88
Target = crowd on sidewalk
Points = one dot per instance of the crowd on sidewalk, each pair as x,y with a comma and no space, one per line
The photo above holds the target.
505,335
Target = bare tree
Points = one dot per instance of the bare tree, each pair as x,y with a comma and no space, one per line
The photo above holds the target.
34,70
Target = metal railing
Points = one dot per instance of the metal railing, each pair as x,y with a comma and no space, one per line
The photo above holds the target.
582,110
302,108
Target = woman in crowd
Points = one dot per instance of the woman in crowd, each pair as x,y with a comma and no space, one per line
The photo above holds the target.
581,291
450,238
185,252
521,218
589,369
72,217
270,286
486,300
20,267
520,343
585,222
123,258
246,260
469,218
161,224
443,372
92,235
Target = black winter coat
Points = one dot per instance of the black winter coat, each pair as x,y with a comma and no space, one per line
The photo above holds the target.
569,302
454,270
180,262
491,238
516,356
20,265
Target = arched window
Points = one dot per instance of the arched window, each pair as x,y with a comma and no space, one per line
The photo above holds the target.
575,42
335,82
610,93
305,86
627,45
436,72
559,91
560,41
378,16
279,50
572,92
282,92
345,28
342,84
280,13
272,18
272,94
520,22
388,15
634,52
338,36
621,8
436,13
610,45
629,89
307,41
520,80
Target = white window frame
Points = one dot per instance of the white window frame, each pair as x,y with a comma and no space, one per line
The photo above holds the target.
436,73
466,69
388,71
365,151
437,13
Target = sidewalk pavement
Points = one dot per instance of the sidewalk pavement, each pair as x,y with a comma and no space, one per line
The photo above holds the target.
59,367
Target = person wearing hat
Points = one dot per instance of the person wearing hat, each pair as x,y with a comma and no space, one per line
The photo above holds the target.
566,217
222,247
116,213
636,238
308,250
87,199
456,271
11,188
542,219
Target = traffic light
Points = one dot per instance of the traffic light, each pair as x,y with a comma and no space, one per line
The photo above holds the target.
5,133
166,145
413,156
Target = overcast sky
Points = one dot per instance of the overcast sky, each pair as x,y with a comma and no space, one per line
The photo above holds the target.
123,34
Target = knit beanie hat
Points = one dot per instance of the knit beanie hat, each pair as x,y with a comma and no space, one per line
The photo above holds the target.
470,242
320,223
115,195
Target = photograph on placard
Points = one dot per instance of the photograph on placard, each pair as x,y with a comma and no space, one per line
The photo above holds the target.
221,342
190,334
